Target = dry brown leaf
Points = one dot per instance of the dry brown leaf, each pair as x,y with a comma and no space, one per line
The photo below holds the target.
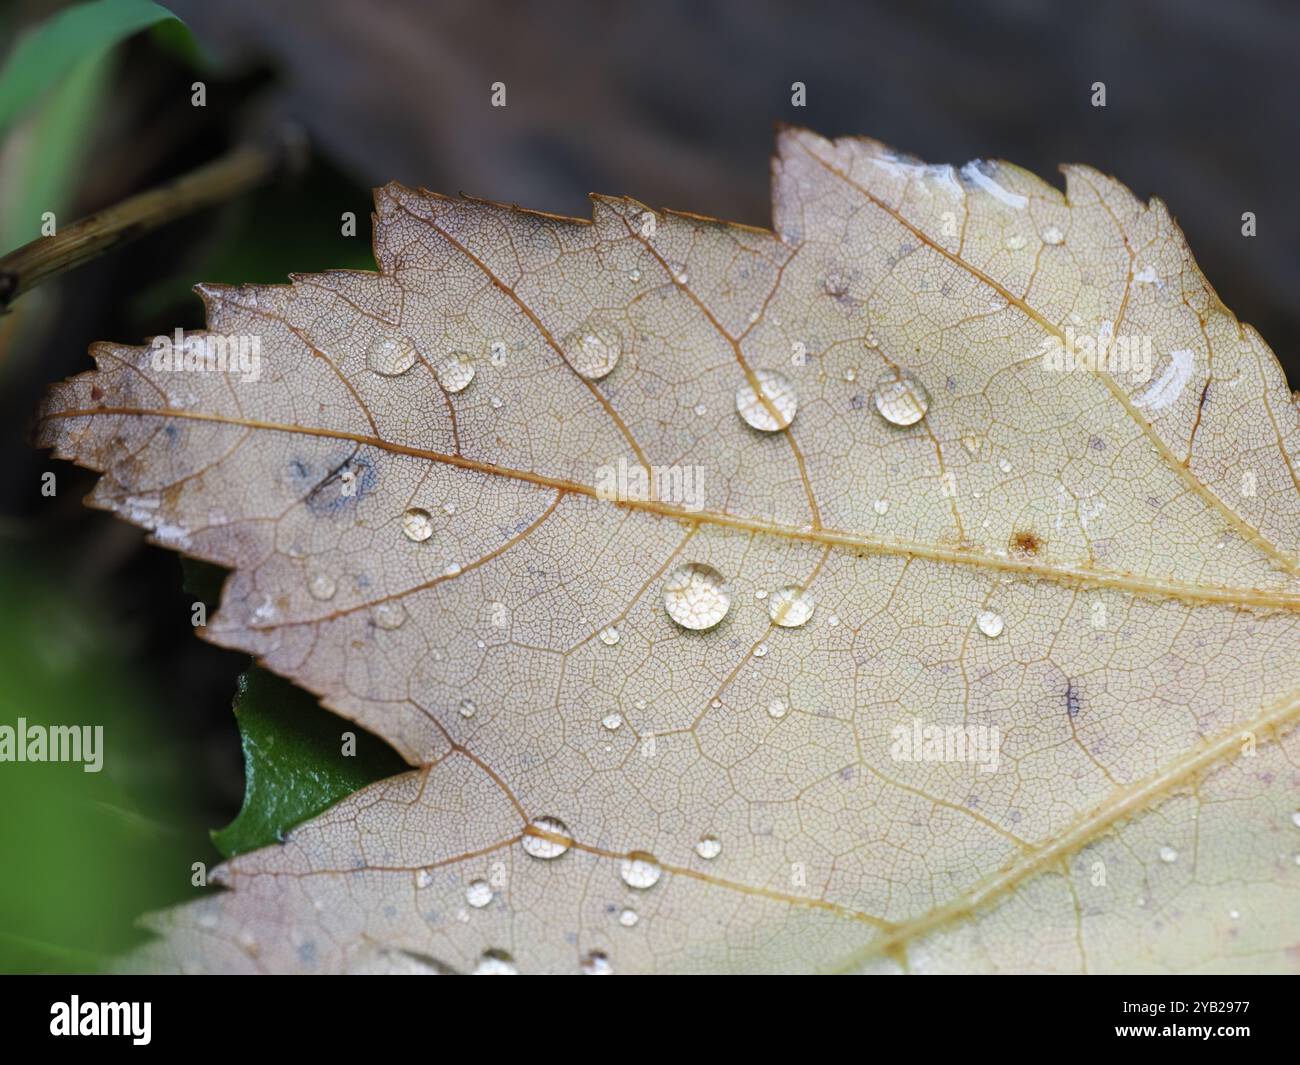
1100,565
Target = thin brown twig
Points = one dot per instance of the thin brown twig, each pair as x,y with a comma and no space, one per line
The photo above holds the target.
237,172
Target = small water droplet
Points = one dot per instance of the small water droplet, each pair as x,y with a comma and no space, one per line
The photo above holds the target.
597,964
612,721
833,620
696,596
468,708
761,594
777,709
1234,915
1053,235
497,353
760,651
628,918
417,524
609,635
990,623
1004,465
701,410
900,397
593,351
423,878
478,893
456,371
391,356
640,870
1295,819
555,842
1168,855
1015,242
635,275
772,406
709,847
835,284
497,402
495,963
321,586
791,606
389,615
881,506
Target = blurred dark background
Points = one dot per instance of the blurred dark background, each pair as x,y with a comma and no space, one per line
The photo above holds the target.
670,102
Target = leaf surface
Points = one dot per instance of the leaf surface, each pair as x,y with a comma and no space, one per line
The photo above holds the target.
441,565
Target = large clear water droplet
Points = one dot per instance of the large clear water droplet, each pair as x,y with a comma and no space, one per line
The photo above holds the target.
777,709
609,635
990,623
709,847
900,397
478,893
495,963
1168,855
791,606
389,615
321,586
390,356
417,524
640,870
597,963
696,596
455,372
628,917
593,351
772,406
552,840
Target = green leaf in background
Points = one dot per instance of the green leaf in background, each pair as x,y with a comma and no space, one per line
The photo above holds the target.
294,767
44,56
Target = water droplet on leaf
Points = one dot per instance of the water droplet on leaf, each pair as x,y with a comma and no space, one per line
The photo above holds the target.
696,596
900,397
554,840
772,406
791,606
640,870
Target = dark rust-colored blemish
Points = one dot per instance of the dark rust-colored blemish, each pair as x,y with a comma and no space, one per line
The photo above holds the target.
1025,544
96,393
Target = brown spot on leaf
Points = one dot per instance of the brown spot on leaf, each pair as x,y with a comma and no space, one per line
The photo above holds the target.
1025,544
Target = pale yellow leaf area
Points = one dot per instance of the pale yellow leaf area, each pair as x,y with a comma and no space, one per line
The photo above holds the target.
1137,536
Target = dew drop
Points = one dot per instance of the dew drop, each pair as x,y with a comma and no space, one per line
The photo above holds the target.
1168,855
1295,819
391,356
791,606
628,918
497,402
777,709
635,275
555,841
640,870
468,708
990,623
772,406
1015,242
478,893
850,375
612,721
696,596
495,963
389,615
423,878
881,506
417,524
760,651
709,847
609,635
321,586
593,352
597,964
1004,465
761,594
900,397
497,353
1053,235
455,372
